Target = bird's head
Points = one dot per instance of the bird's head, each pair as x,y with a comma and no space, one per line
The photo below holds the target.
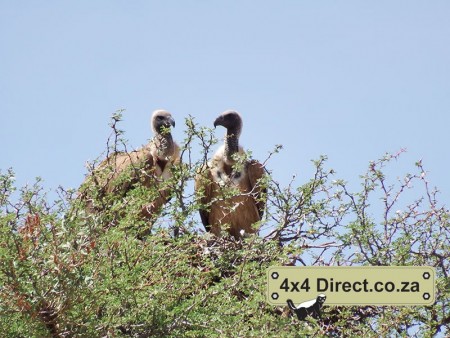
162,120
231,120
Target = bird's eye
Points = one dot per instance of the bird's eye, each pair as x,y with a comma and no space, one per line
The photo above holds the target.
159,117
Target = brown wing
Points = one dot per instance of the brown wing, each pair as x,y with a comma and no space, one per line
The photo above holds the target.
203,188
121,171
256,172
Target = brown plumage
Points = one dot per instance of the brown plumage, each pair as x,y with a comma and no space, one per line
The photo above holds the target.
240,211
149,166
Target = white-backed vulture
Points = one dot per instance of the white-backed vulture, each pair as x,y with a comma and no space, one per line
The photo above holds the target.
149,166
239,212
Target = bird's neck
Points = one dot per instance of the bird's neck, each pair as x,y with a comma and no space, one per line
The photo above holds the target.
231,144
165,145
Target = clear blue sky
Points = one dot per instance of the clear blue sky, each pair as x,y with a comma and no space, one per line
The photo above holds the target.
348,79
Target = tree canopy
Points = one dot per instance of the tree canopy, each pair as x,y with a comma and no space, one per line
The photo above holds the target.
67,272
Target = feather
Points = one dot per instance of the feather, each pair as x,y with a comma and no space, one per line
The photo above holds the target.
148,166
230,192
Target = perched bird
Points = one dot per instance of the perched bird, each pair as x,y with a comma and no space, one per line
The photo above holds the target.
149,166
239,211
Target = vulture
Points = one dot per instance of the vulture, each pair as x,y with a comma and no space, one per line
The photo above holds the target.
150,165
235,212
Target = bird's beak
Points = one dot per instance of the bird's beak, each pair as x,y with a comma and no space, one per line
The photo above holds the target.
218,121
171,121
